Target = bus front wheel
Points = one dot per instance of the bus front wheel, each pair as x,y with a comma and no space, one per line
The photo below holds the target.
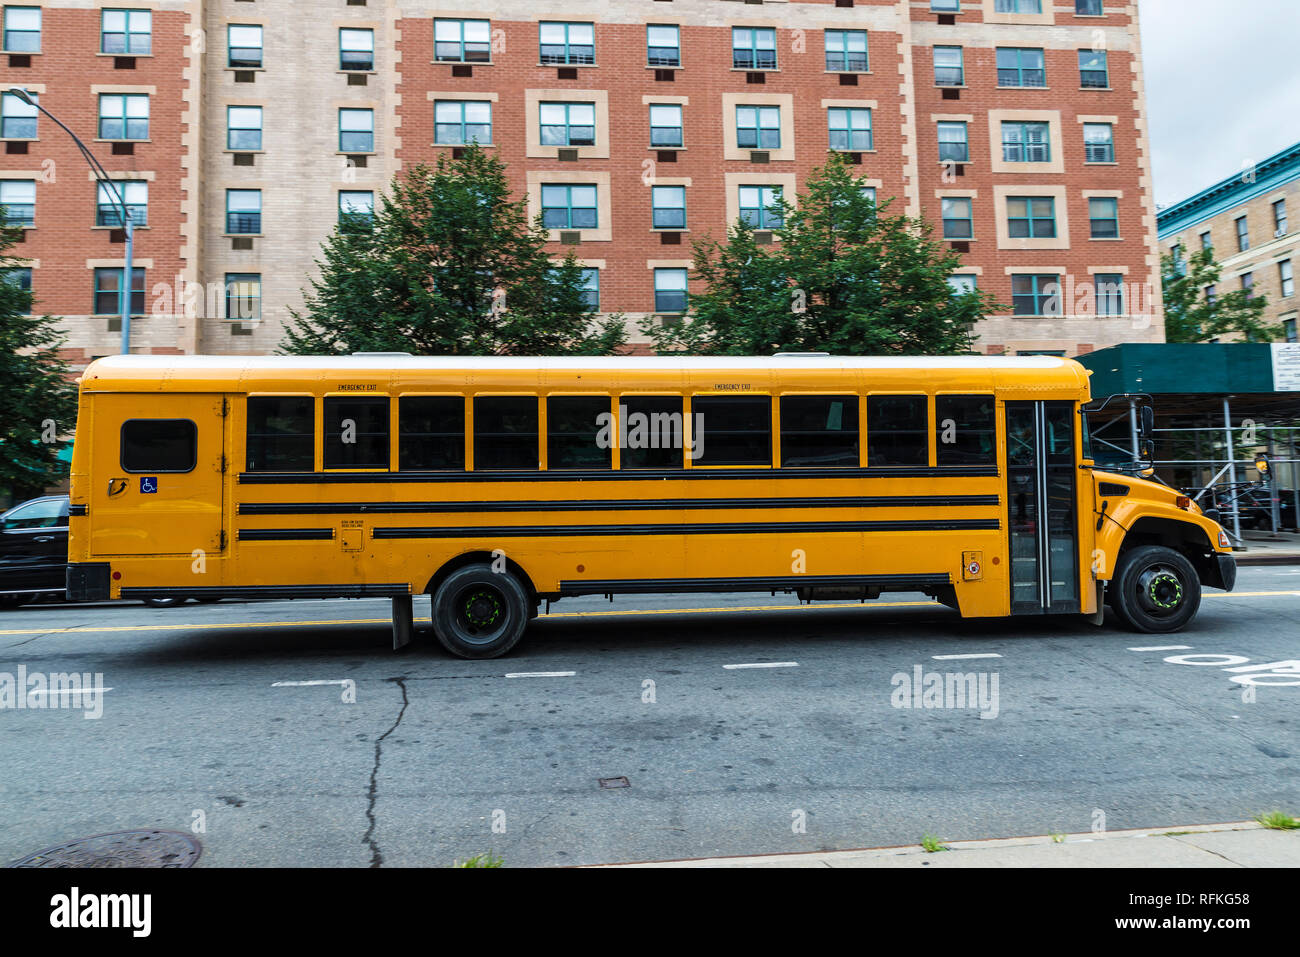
479,613
1155,590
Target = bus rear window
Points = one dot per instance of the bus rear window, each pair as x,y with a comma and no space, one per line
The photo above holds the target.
965,430
356,432
431,433
819,431
897,430
653,432
159,445
505,432
734,430
573,427
281,434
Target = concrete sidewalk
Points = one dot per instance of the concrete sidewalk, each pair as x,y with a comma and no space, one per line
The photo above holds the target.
1265,548
1241,844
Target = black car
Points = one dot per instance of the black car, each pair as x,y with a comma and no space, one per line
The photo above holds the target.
33,550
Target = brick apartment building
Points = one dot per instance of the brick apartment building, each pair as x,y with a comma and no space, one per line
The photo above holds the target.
1247,220
244,128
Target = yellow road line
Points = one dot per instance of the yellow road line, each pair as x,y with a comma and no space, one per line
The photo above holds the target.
82,630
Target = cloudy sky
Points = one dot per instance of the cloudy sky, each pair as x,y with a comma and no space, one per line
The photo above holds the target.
1223,87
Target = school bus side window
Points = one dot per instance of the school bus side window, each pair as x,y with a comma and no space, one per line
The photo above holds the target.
431,433
505,432
965,430
356,432
819,431
653,432
573,426
159,445
897,430
735,429
281,434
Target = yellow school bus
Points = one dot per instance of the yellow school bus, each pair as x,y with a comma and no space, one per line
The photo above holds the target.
496,484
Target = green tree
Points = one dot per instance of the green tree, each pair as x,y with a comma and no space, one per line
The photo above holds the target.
38,400
449,265
1191,316
847,277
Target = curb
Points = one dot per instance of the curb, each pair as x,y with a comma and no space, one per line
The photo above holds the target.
1291,558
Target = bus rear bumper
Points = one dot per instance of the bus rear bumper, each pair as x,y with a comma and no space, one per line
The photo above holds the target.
89,581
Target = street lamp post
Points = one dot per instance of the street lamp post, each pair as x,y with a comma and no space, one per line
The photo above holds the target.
102,177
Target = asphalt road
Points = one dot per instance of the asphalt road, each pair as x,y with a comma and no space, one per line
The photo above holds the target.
212,724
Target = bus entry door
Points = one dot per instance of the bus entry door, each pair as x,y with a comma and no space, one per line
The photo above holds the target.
157,474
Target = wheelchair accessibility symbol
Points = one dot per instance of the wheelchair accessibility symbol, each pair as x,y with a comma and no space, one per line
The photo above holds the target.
148,485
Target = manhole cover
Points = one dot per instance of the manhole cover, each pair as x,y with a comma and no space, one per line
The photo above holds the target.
120,849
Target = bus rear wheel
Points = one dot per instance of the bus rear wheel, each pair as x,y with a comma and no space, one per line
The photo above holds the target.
1155,590
479,613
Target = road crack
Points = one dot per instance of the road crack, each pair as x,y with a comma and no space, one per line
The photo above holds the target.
372,797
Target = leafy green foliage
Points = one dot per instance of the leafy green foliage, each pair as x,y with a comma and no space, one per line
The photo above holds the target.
1192,317
846,277
450,265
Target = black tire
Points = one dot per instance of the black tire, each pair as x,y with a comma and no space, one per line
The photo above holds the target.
478,613
207,601
1155,590
14,601
164,602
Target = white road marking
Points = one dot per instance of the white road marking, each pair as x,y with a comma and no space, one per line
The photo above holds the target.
542,674
307,684
1162,648
963,657
764,664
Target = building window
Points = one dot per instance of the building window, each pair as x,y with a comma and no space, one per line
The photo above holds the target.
670,290
1087,8
1289,327
135,195
663,45
18,201
356,131
1098,143
948,68
1243,234
1026,143
126,32
124,116
1036,295
850,129
20,277
244,296
571,43
1103,217
1211,294
459,122
591,289
666,125
758,127
356,206
945,6
243,211
243,47
1286,278
1280,224
569,207
1031,217
243,127
108,292
1019,6
954,143
568,124
356,50
1207,242
1093,73
668,204
462,41
1248,284
1021,66
17,117
760,207
963,283
1110,293
753,48
846,51
957,217
22,29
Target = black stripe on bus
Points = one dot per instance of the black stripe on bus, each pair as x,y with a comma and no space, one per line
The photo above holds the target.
720,528
284,534
78,510
655,585
607,475
612,505
274,591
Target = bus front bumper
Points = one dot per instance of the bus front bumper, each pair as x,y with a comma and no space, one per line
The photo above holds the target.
1227,572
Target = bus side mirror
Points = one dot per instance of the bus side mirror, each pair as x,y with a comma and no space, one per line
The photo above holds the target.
1148,422
1264,466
